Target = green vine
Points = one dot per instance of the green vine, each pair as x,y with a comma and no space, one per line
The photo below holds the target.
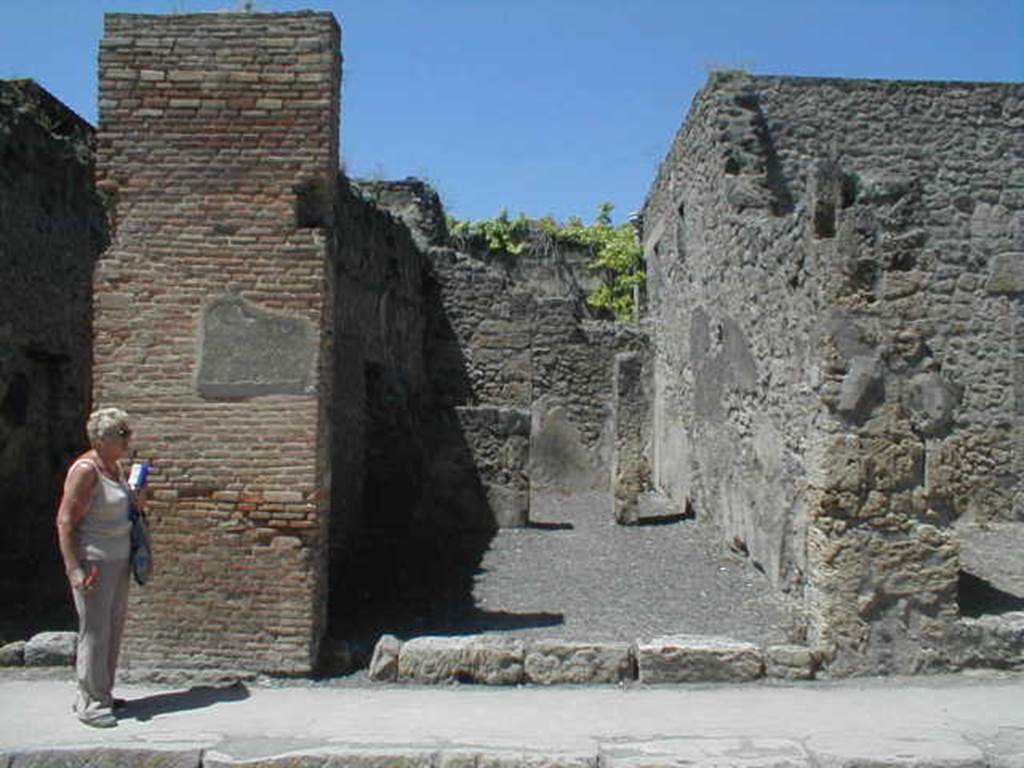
616,251
500,234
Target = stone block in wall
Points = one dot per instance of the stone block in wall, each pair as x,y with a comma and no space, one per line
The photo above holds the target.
487,660
1006,273
553,662
559,461
509,506
12,654
246,351
498,440
854,463
789,662
631,406
989,641
698,659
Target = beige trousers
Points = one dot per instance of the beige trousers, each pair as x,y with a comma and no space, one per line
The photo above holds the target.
101,615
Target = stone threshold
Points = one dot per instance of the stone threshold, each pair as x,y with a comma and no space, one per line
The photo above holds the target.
497,660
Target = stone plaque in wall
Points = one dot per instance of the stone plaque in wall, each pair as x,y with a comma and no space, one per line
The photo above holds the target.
246,351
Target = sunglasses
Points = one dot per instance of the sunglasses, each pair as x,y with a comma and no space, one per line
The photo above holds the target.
124,432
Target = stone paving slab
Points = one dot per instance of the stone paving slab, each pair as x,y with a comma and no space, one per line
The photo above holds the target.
868,750
737,752
1003,747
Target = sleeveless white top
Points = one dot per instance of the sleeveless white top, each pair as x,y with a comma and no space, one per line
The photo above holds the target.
105,531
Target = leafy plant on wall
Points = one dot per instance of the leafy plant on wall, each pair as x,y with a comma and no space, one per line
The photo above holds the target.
616,250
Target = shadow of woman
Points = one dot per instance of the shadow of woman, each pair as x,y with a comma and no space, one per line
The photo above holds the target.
196,697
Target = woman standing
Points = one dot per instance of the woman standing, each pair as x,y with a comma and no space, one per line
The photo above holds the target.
94,529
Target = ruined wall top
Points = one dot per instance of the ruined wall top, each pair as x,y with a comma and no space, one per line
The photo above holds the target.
831,117
27,98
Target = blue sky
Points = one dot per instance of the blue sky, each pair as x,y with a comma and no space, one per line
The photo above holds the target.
552,106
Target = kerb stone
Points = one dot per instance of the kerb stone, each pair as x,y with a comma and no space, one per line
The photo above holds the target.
496,758
698,659
989,641
789,662
109,757
384,664
51,649
366,757
13,654
433,660
552,662
488,660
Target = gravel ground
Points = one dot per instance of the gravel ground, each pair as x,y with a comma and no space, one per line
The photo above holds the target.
578,575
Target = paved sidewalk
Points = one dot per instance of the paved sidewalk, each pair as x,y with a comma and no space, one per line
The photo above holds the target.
966,720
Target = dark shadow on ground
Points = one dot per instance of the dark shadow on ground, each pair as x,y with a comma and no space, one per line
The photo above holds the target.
663,520
978,597
550,526
197,697
479,621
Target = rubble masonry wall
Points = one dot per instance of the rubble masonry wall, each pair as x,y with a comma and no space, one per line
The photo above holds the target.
52,228
834,271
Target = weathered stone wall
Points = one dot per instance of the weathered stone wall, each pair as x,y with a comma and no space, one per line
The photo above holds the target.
52,228
389,561
381,385
218,142
833,270
524,339
512,346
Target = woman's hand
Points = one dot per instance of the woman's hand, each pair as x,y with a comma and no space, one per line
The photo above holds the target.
82,581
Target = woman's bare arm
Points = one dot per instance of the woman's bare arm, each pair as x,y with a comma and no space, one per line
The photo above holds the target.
74,505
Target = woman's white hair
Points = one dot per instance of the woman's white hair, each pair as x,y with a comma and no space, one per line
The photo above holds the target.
105,422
